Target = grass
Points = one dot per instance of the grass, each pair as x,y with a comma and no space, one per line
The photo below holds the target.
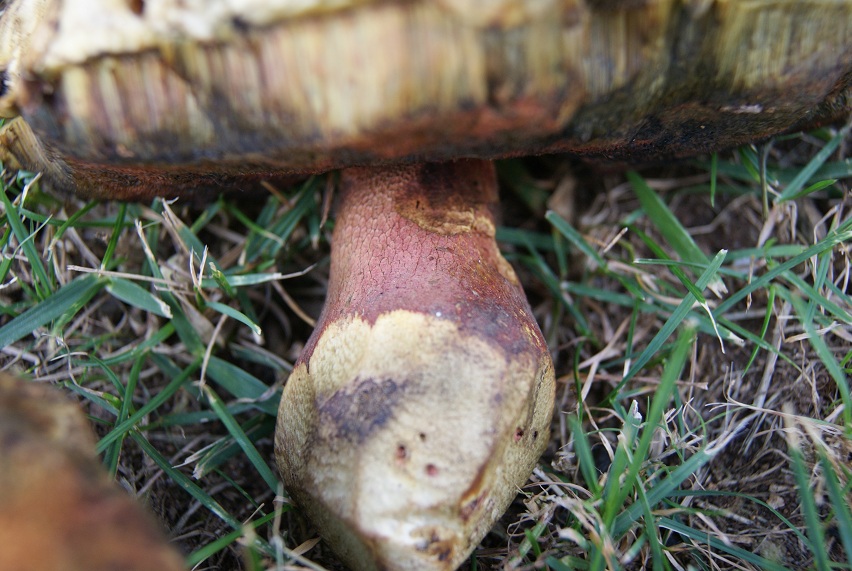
700,317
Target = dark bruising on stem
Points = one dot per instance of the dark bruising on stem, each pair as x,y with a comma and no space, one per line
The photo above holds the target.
421,238
357,411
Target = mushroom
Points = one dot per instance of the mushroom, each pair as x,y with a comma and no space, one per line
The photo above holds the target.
422,400
58,508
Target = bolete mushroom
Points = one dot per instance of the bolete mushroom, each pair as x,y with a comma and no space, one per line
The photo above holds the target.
423,398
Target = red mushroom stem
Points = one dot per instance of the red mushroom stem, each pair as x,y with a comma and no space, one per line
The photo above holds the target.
424,397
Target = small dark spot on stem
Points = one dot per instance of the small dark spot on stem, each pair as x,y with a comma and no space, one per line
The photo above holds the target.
431,470
401,452
423,437
137,6
519,433
468,509
240,24
535,434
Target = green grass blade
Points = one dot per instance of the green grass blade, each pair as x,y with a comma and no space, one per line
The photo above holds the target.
113,453
816,536
815,298
122,428
678,273
256,428
835,237
556,565
198,416
585,458
137,296
836,170
530,541
666,222
206,215
674,319
106,401
181,323
235,314
617,487
160,336
235,281
116,234
815,187
825,354
703,538
660,401
545,273
66,301
204,553
203,498
741,496
73,221
663,489
41,282
5,259
523,237
792,189
196,248
573,236
829,170
243,385
270,240
748,155
242,440
839,501
184,482
670,227
651,530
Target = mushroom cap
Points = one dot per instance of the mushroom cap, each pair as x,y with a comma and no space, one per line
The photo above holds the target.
124,99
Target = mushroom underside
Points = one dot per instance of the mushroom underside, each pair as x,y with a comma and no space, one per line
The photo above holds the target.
178,102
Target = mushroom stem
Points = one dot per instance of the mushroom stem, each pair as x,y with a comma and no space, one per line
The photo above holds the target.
423,398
